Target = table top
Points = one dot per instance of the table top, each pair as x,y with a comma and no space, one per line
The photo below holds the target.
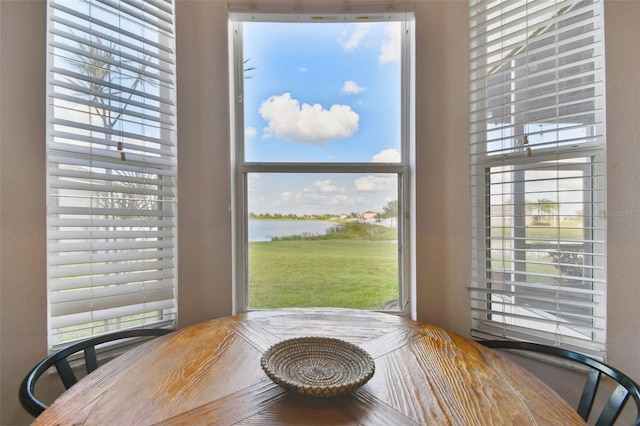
210,373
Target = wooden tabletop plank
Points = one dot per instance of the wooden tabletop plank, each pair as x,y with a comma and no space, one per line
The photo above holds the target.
443,378
391,341
357,408
255,334
350,325
232,409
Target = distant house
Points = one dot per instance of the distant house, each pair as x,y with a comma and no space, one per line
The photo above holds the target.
369,215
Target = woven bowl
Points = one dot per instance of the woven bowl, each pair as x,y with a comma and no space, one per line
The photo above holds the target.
318,366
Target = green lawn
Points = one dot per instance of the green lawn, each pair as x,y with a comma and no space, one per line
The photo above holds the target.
538,267
350,273
565,232
356,267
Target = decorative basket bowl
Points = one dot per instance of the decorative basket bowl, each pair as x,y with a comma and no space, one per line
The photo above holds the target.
318,366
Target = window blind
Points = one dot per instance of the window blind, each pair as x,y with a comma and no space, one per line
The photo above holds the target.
538,172
111,155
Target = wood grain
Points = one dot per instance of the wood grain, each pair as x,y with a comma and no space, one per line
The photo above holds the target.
210,373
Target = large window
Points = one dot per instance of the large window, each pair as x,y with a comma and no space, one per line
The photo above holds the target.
111,153
321,166
538,172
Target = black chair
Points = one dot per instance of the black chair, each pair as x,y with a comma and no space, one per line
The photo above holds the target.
626,387
59,359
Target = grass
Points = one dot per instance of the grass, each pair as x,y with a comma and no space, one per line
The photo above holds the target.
357,269
565,232
349,231
355,266
541,269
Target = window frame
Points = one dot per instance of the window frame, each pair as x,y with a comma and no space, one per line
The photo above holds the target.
481,271
241,168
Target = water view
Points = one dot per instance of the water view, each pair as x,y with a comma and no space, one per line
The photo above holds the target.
265,230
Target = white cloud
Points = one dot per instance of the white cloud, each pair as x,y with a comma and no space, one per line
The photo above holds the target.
391,42
375,183
387,156
327,186
307,123
252,186
250,132
351,88
340,199
286,196
306,196
303,69
253,182
390,49
361,30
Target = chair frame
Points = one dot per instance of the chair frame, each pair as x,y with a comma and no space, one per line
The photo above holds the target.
59,359
626,386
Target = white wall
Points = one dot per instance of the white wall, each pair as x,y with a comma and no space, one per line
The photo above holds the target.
622,19
23,309
443,214
204,173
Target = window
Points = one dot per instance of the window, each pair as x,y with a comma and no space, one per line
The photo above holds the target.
538,172
111,153
321,161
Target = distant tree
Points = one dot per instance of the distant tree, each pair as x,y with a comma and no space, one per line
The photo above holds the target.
99,65
247,69
542,207
102,82
390,210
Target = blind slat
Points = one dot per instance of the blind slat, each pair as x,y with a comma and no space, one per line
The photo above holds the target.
71,259
92,299
79,247
142,37
577,343
131,265
142,48
154,18
102,167
147,313
132,116
148,60
97,281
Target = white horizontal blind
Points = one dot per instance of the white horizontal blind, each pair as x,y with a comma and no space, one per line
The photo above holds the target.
538,172
111,153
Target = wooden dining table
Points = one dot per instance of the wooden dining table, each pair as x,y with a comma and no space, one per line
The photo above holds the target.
210,373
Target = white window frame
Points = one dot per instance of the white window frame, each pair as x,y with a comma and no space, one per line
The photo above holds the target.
524,322
241,168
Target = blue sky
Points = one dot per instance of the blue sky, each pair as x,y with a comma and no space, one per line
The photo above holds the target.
322,92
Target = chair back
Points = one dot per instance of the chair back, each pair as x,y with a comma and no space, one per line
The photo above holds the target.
626,388
59,359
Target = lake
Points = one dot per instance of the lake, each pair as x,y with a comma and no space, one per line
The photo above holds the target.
264,230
